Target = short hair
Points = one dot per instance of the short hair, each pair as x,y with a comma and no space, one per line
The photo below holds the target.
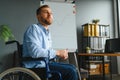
40,8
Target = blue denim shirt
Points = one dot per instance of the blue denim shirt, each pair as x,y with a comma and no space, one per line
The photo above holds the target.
37,43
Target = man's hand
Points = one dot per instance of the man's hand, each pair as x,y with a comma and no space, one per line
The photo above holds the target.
62,53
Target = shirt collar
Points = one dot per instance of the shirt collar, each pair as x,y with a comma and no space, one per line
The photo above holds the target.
43,28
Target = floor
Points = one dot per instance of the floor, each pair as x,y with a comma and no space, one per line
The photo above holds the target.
116,77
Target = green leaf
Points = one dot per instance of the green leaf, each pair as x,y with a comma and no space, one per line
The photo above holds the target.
5,33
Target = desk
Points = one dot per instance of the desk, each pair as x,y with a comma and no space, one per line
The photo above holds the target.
101,54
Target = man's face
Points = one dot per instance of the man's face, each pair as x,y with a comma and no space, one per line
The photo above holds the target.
45,17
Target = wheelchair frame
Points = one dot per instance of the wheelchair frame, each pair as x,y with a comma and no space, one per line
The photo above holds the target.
18,73
45,59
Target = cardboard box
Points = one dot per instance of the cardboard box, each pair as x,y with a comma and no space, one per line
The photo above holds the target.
106,67
95,69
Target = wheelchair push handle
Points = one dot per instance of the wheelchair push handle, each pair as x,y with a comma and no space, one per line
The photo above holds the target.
10,42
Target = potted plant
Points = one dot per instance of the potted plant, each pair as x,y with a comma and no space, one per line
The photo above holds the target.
5,33
96,21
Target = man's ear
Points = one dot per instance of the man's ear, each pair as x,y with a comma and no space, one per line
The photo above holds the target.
37,16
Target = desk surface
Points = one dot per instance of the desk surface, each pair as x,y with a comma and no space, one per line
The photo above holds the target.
99,54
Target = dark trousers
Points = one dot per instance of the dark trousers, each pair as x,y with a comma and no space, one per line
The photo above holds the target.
68,71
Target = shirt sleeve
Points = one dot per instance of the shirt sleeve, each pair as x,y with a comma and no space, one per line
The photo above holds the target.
34,44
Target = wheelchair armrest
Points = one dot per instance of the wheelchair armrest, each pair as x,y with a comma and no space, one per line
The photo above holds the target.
45,59
34,59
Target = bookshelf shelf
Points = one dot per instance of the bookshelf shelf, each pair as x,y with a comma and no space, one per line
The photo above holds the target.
96,36
93,38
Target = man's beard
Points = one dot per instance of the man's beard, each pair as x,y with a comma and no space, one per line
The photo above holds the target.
46,21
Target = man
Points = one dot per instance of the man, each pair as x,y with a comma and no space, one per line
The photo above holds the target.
37,43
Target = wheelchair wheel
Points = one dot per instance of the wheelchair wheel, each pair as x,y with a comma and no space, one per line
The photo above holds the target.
19,73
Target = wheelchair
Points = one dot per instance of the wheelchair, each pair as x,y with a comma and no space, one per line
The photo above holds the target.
45,72
19,73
